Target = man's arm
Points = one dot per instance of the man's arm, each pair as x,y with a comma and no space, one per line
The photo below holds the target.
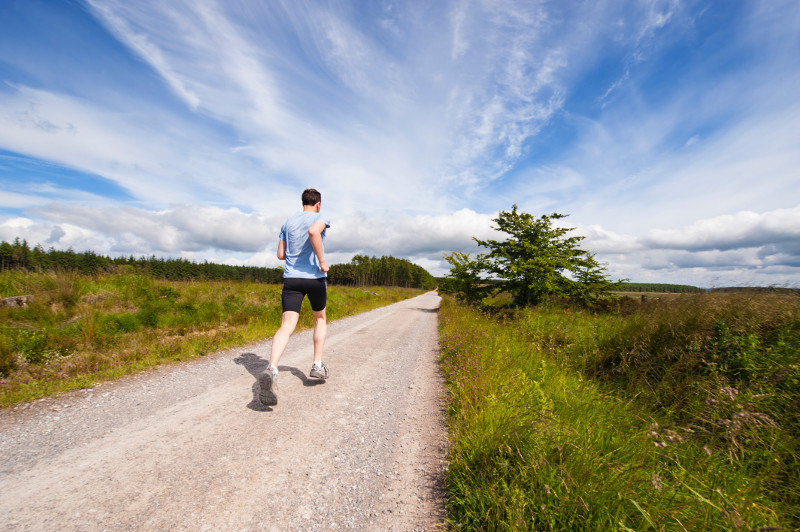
315,235
281,250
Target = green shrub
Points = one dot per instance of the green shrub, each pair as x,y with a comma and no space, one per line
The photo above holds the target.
114,324
31,344
148,316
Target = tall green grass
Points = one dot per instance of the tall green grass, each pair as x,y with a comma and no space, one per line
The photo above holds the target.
567,420
82,329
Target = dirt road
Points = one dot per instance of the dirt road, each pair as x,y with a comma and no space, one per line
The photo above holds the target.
189,447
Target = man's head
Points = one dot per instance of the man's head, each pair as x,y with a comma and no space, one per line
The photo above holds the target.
311,197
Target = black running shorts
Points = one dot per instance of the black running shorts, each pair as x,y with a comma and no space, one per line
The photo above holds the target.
295,289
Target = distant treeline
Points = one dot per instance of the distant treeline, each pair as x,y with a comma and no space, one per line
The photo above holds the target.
361,271
385,271
661,288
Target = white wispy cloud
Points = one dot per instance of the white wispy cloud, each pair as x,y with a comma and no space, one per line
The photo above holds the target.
153,161
236,80
14,199
147,50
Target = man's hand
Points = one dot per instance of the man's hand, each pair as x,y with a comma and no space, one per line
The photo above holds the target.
323,266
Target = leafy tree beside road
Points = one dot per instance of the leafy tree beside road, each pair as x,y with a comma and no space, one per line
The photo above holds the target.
536,261
466,278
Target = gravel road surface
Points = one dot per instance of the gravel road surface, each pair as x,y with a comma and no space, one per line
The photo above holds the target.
189,446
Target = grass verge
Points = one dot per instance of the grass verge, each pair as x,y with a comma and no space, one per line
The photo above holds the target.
80,330
550,432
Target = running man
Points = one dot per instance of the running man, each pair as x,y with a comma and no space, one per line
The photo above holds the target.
300,244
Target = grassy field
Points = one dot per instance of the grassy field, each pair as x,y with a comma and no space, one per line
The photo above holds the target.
81,330
651,295
677,414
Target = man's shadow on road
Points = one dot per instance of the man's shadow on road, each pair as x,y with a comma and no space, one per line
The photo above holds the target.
255,365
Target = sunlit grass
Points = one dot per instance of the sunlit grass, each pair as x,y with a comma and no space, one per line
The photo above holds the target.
538,444
81,330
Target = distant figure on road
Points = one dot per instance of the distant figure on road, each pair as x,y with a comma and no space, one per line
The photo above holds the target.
300,244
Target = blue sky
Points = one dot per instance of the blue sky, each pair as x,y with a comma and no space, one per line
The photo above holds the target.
667,129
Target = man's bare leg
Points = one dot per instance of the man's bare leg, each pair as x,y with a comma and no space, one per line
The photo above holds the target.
268,379
320,333
318,370
281,338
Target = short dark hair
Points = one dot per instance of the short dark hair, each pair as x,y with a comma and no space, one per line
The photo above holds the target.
311,196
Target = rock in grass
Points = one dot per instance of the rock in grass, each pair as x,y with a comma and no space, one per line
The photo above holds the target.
16,301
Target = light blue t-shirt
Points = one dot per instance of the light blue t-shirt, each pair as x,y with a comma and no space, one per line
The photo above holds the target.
301,261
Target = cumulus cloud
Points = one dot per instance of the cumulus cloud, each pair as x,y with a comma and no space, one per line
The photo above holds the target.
729,232
188,228
755,246
232,236
600,240
710,252
48,234
399,235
